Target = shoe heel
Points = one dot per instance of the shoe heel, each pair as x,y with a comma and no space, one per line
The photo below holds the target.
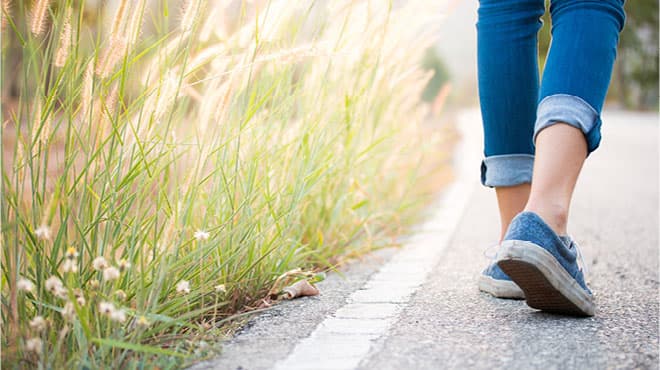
533,269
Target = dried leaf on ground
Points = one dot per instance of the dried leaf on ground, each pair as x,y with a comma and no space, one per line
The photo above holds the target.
300,289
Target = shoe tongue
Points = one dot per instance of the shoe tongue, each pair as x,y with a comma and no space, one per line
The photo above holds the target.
566,240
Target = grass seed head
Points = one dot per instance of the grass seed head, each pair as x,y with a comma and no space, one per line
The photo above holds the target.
118,19
87,87
188,14
111,56
166,94
111,100
65,41
6,8
19,168
38,17
135,23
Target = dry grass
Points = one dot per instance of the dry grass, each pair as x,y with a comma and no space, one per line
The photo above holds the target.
190,155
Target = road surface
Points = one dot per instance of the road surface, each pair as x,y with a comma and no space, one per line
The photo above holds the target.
425,312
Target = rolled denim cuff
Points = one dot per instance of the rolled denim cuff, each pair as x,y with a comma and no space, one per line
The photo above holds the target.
507,170
572,110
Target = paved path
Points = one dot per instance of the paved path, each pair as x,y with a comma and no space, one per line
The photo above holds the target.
614,219
438,319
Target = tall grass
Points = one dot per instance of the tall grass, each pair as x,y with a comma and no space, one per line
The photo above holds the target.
164,164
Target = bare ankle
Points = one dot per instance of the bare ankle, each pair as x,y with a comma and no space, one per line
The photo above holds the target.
511,200
554,215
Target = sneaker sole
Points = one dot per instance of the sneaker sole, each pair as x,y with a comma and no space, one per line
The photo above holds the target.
500,288
546,284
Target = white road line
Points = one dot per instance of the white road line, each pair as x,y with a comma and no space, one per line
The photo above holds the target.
344,339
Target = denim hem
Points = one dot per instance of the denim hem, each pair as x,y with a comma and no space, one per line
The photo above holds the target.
507,170
572,110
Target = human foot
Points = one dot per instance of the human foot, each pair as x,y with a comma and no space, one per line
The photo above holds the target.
545,266
498,284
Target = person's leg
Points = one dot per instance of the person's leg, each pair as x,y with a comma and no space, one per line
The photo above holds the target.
555,173
536,254
575,81
511,200
508,92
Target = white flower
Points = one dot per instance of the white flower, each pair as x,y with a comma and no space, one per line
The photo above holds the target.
221,288
106,308
201,235
110,273
34,345
183,287
80,297
142,321
69,265
118,315
38,323
53,284
93,284
69,312
71,253
43,232
61,292
24,284
121,295
123,265
99,264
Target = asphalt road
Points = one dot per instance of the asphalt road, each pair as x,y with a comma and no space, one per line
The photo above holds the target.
614,219
446,323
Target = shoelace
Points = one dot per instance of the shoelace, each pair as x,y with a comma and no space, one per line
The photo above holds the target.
491,251
581,264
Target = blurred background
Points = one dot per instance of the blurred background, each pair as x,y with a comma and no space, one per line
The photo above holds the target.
453,57
634,81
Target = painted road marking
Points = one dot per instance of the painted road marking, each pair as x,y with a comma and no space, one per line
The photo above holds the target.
344,339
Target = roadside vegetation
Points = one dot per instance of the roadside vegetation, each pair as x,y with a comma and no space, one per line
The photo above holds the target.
165,162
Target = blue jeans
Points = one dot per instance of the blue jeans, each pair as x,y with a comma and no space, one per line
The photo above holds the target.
514,106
